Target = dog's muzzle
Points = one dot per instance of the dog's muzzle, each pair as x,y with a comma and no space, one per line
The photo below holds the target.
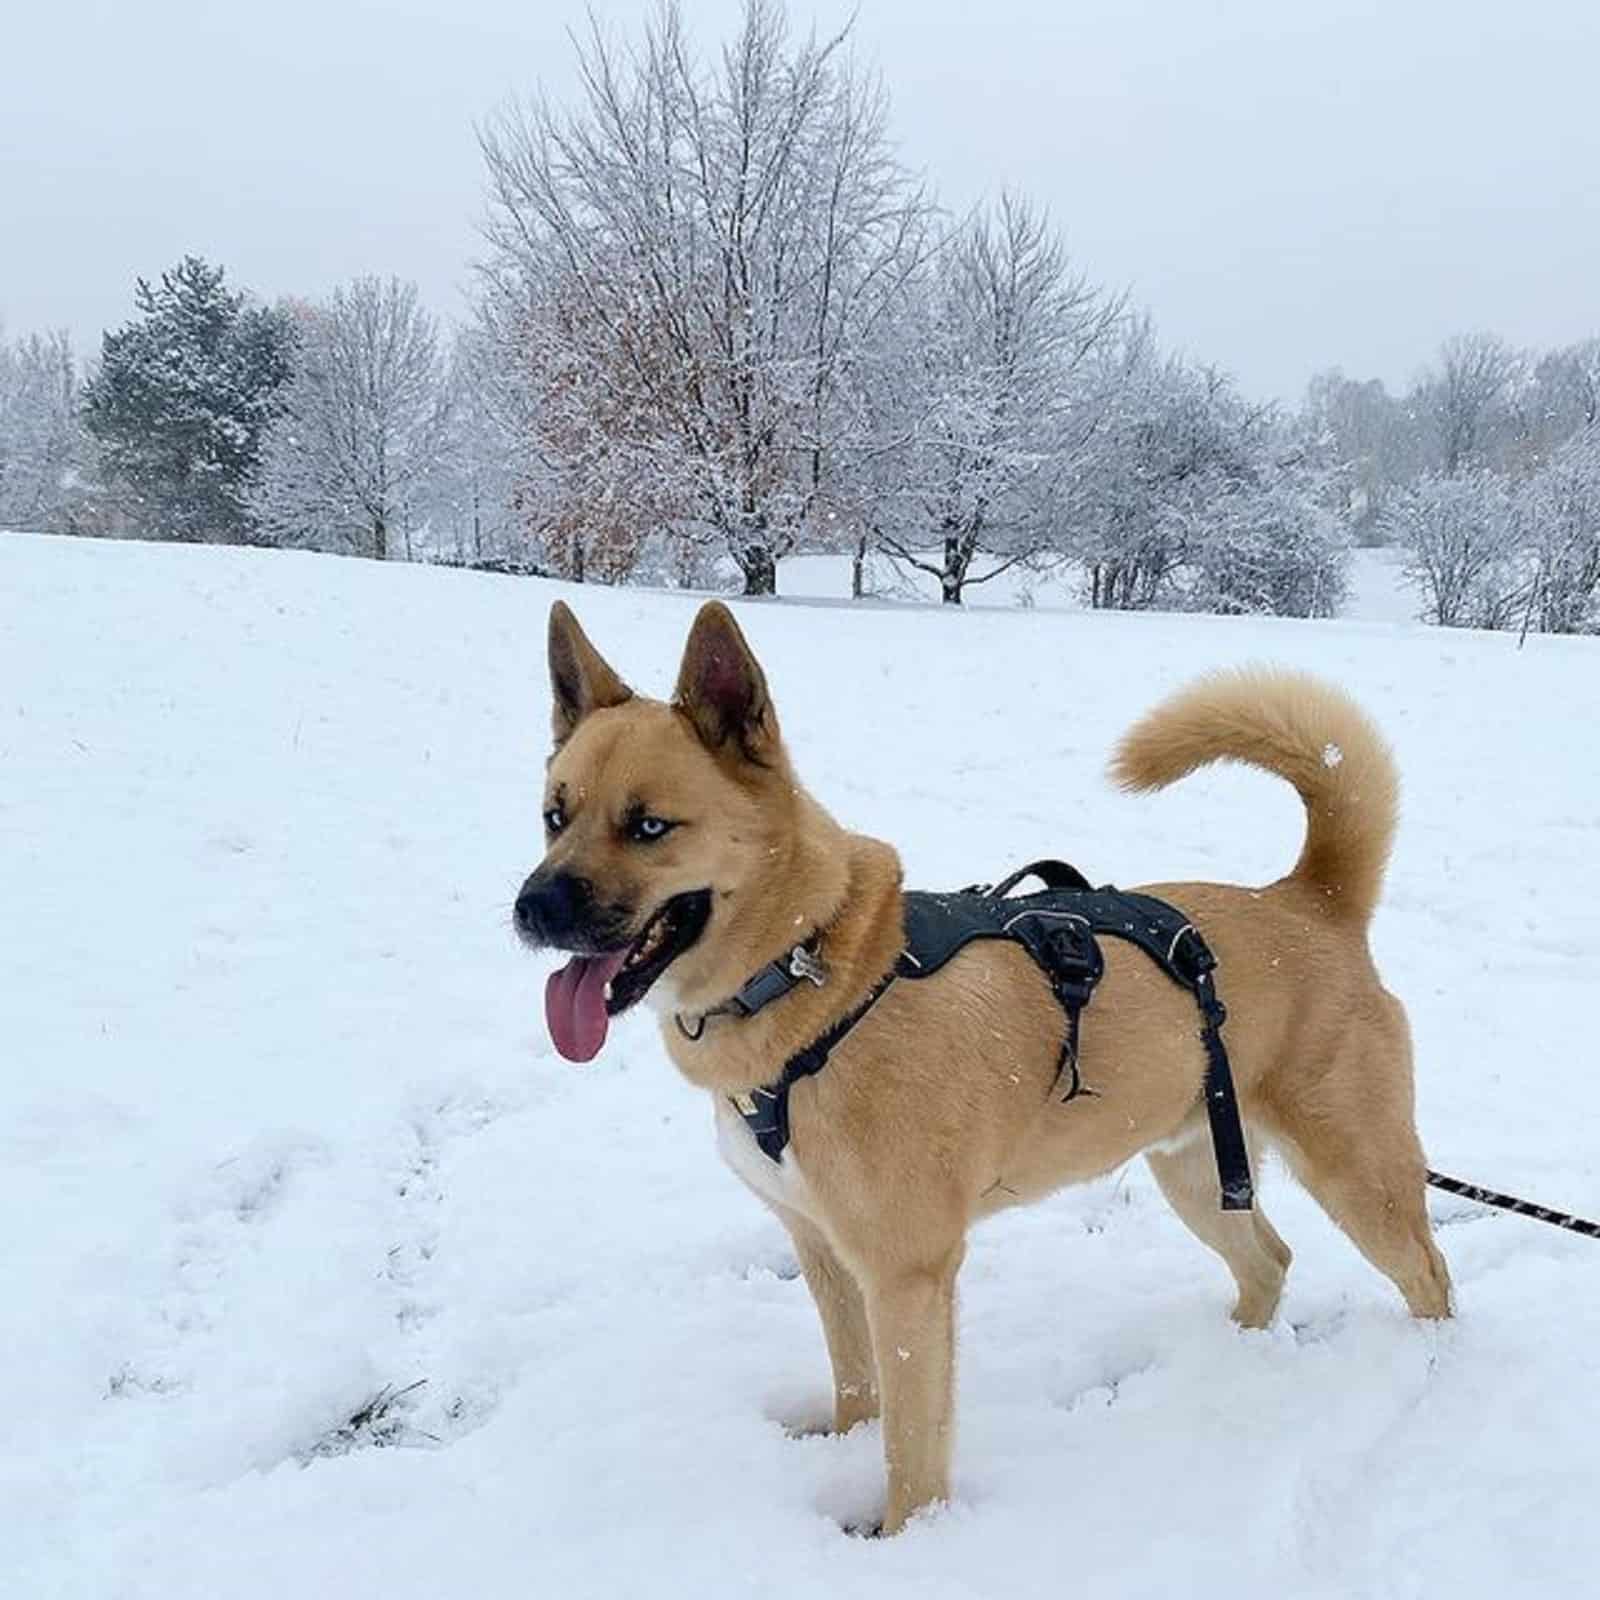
555,909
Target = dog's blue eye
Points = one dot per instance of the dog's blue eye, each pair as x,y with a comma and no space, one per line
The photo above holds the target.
555,819
646,829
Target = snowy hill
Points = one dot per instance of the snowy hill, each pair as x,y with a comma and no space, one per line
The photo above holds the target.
281,1133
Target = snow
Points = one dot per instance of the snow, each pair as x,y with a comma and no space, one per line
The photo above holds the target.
1378,590
280,1131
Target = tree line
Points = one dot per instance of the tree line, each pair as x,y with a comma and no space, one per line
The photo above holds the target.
1487,473
719,321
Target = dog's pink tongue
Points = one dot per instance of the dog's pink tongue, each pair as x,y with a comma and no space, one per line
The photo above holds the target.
575,1004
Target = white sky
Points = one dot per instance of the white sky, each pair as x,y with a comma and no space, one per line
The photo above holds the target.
1285,184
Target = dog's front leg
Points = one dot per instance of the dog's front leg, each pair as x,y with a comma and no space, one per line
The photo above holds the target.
912,1313
844,1323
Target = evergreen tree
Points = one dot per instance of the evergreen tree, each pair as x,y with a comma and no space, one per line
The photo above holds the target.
180,402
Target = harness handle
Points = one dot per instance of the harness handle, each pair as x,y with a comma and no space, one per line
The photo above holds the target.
1051,873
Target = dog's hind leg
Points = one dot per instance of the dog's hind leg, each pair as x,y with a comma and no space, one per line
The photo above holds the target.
1349,1134
1246,1241
1371,1180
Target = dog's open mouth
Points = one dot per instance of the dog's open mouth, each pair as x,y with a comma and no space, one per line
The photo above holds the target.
581,999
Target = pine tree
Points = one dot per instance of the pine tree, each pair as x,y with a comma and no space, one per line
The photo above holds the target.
180,402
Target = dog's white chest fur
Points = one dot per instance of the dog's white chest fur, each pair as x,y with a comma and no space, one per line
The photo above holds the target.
779,1183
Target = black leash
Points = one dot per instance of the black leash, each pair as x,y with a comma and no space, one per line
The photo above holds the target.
1509,1202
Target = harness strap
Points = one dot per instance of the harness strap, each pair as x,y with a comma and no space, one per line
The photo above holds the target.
1222,1102
766,1110
1058,928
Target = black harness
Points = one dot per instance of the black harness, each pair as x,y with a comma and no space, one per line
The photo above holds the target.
1059,927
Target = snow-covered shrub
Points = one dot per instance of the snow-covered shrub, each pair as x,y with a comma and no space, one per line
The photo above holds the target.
1272,549
1560,518
1461,536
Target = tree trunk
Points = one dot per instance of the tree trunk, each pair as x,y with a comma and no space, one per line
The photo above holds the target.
954,574
858,569
760,569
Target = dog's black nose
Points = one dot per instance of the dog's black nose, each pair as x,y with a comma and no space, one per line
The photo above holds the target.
552,906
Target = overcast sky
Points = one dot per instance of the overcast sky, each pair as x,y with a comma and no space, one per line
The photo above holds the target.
1285,184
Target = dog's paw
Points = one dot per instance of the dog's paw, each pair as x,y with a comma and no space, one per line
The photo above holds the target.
802,1416
821,1426
814,1418
815,1427
862,1530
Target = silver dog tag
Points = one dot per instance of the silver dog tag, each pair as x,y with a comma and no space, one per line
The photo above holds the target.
802,964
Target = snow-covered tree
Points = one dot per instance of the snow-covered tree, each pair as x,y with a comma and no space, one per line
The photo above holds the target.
1270,547
1125,531
1563,397
693,260
1372,442
1462,537
1466,403
1190,496
474,496
349,461
1166,445
1560,526
598,483
990,391
180,401
41,444
1505,531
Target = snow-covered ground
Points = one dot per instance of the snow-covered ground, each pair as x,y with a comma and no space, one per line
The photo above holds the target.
280,1130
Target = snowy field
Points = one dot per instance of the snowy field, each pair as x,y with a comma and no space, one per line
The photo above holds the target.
281,1133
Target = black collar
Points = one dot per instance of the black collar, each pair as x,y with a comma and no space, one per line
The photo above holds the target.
799,965
766,1110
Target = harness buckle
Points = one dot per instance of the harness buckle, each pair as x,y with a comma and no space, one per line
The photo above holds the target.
806,964
1189,955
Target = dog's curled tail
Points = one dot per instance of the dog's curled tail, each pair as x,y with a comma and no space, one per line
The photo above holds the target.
1301,729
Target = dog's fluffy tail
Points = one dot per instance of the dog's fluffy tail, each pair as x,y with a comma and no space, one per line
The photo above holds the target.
1303,730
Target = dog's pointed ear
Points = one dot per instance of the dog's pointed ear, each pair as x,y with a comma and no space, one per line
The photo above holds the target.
722,688
580,679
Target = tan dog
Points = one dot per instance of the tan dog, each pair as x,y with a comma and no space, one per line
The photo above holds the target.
683,855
